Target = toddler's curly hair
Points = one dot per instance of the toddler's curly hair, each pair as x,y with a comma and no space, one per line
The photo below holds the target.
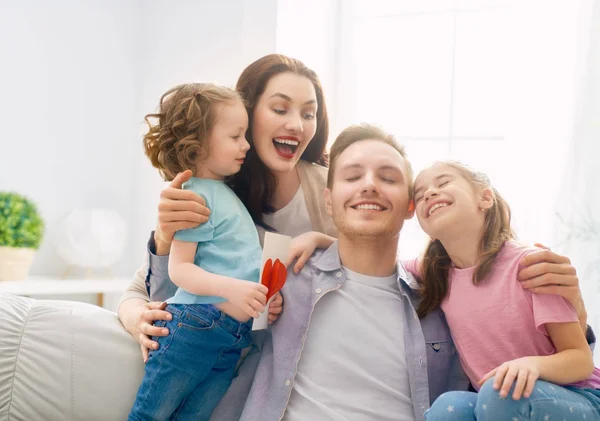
181,126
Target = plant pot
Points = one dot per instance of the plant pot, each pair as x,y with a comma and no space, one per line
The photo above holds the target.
15,263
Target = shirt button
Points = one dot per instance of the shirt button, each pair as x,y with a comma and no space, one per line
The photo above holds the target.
287,382
339,274
436,346
318,290
420,361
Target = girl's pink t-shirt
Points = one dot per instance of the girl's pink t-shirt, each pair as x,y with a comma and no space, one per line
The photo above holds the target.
498,320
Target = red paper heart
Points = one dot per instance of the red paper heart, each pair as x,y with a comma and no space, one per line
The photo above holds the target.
278,278
267,273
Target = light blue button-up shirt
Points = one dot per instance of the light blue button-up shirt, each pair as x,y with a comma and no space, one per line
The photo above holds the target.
262,388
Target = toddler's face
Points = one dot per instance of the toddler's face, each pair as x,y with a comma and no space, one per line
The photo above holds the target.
227,144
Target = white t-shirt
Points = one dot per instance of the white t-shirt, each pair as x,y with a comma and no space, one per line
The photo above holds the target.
353,365
293,218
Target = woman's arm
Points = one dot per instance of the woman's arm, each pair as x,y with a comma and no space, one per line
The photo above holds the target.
137,314
545,272
178,209
250,297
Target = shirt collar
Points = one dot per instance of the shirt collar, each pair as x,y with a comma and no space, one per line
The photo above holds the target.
329,261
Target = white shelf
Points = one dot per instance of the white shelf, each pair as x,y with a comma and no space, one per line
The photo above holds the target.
51,286
56,286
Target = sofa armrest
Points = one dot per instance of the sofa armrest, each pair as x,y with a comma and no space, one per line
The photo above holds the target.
64,360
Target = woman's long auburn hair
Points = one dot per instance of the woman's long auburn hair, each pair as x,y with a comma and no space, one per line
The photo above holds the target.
436,263
255,184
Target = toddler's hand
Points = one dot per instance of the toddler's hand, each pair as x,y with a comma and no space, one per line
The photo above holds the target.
249,296
524,370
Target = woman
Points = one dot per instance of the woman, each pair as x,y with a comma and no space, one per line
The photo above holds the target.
281,183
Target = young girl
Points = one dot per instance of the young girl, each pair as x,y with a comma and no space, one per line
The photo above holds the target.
515,346
201,127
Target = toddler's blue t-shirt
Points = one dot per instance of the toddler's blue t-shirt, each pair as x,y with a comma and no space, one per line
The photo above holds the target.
228,242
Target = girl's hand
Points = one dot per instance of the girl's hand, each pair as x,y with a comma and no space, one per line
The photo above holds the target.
524,370
177,210
275,308
250,297
304,245
144,328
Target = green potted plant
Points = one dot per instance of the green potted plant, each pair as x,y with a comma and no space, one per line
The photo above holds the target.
21,232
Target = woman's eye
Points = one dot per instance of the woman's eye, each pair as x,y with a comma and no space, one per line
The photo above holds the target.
418,199
444,183
309,116
279,111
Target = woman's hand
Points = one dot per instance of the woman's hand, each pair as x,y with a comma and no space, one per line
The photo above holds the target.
275,307
546,272
177,210
524,371
143,328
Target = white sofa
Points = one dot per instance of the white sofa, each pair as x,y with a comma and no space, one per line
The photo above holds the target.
63,360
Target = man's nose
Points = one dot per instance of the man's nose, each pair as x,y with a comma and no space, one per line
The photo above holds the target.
369,184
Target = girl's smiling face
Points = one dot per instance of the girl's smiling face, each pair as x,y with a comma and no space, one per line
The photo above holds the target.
445,200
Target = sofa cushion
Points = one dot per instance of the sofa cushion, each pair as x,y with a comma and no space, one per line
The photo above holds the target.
63,360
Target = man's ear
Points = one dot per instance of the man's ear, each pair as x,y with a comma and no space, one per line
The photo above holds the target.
328,204
411,209
486,198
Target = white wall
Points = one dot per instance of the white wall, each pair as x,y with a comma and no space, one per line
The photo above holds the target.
76,80
68,102
317,48
197,40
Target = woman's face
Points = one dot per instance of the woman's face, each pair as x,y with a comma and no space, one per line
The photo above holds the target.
284,121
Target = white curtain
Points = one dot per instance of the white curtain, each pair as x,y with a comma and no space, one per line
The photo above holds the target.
508,86
577,209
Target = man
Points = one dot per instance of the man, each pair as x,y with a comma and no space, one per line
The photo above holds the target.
349,344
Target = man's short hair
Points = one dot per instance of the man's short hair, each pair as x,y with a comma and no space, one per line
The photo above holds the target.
364,131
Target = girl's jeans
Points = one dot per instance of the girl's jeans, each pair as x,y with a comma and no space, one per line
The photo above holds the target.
548,402
193,366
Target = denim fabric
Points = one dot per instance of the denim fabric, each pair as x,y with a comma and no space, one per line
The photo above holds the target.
193,366
547,402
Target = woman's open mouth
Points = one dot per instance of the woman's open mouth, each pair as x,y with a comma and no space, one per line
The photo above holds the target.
285,146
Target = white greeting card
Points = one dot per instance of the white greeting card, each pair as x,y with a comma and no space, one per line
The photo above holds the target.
275,252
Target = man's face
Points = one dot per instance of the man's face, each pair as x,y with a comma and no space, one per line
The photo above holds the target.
369,196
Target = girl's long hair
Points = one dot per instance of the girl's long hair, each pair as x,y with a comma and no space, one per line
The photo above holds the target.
436,263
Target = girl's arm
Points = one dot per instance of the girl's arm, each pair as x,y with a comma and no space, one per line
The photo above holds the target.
246,295
572,363
304,245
